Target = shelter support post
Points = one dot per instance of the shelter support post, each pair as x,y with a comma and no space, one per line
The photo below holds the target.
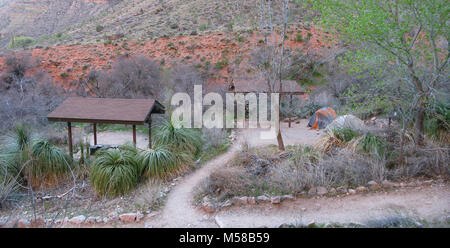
150,132
134,135
290,108
69,137
95,133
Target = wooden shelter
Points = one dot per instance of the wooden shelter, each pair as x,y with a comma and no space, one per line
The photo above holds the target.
106,111
288,87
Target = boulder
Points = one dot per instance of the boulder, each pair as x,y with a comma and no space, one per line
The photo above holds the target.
352,191
347,121
128,217
77,220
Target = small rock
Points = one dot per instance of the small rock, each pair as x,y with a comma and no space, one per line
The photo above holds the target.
287,198
341,190
262,199
208,207
148,225
275,200
37,222
352,191
373,185
312,191
387,184
361,189
303,209
322,190
226,204
333,191
139,216
91,220
77,220
402,185
128,217
427,183
241,200
252,200
23,223
106,220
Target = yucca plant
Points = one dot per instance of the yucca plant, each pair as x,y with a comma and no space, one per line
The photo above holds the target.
115,171
159,162
49,163
345,134
375,145
178,139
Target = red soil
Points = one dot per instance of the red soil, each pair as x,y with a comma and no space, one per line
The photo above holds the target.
76,61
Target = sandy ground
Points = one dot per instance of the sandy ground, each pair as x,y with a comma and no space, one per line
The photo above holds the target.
297,134
120,138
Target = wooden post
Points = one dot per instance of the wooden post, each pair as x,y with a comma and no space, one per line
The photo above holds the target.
95,133
69,136
150,132
290,110
134,135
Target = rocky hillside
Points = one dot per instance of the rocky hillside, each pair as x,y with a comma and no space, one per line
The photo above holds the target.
87,21
44,19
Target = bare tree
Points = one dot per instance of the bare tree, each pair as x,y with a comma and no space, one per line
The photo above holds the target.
273,51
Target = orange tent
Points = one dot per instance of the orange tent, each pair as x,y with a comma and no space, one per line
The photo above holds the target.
321,118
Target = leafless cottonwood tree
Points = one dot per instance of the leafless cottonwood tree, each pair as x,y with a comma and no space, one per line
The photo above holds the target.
273,50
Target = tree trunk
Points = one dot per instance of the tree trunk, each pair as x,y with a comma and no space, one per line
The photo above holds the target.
419,125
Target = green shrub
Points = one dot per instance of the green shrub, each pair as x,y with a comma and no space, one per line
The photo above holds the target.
49,163
203,26
298,38
22,42
345,134
178,139
158,162
221,63
374,145
99,28
115,171
437,121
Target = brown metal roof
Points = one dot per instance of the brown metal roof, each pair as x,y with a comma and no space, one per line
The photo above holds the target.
106,110
260,86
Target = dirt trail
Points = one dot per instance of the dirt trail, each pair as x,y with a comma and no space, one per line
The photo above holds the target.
427,203
179,211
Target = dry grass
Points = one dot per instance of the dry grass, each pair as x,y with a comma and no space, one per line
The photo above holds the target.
265,171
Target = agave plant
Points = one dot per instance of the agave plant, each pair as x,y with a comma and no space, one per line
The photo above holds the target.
159,162
115,171
178,139
49,163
